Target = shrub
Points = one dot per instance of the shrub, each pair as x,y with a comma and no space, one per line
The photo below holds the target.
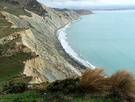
14,87
41,86
65,86
122,86
93,80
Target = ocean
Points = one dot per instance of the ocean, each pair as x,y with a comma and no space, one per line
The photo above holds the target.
105,39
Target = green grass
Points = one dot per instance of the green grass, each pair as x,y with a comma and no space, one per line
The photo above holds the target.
3,21
28,96
13,9
11,66
35,96
90,98
7,31
5,47
18,11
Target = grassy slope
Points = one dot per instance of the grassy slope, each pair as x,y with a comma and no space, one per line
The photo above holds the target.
18,11
12,65
34,96
13,9
5,29
19,7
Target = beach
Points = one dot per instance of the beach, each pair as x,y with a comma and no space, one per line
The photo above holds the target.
62,37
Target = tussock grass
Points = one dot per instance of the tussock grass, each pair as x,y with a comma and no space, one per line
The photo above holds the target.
119,86
93,80
122,86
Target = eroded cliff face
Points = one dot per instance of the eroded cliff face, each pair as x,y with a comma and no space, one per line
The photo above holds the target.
51,63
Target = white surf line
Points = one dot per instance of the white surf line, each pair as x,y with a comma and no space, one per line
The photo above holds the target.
62,37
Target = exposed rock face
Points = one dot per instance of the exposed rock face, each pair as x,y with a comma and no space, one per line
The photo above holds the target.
41,39
33,68
19,39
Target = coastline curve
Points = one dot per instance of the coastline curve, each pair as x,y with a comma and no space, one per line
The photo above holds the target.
62,37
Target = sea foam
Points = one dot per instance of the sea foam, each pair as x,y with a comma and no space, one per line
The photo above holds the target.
62,37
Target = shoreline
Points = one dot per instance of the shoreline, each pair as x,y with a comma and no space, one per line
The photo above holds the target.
63,53
74,56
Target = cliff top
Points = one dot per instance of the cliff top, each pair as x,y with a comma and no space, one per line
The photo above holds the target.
17,7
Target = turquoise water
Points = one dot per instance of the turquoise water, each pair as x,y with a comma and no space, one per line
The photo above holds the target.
105,39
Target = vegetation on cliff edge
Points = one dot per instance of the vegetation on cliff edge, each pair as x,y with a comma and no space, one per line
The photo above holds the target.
11,61
93,86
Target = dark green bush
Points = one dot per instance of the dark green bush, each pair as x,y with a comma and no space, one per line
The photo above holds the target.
69,85
14,87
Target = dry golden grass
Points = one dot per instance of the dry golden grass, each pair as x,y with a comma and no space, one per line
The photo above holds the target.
93,80
122,85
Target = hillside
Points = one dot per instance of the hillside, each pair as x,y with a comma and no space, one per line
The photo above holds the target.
79,11
34,25
83,12
18,6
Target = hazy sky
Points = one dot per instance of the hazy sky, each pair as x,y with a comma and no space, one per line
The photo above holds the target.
85,3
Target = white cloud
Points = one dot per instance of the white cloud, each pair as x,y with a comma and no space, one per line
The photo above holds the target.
83,3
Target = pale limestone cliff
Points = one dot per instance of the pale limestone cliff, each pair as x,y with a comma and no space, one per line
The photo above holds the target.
33,68
52,63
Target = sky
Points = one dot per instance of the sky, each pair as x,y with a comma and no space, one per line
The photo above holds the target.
86,3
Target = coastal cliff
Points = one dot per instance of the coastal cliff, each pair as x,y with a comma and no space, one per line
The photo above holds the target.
39,37
83,12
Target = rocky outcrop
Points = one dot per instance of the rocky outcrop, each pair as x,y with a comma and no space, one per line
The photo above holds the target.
52,63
